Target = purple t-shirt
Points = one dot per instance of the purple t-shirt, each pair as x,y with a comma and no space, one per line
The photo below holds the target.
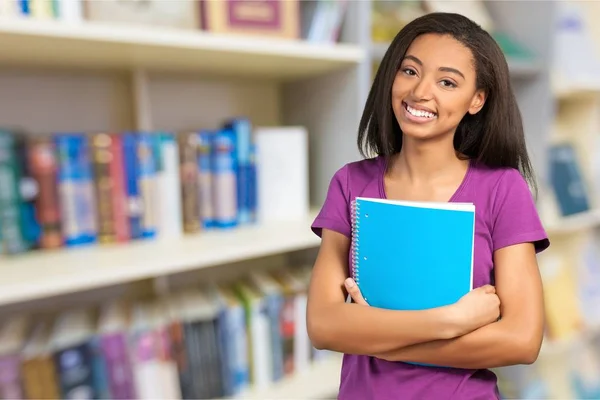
505,214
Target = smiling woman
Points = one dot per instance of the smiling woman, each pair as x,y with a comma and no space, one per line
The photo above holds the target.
443,125
424,80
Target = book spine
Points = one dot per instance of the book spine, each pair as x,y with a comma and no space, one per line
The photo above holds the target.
240,354
170,192
252,188
147,181
29,192
10,377
205,178
99,370
78,219
10,198
189,182
87,200
225,178
134,207
43,163
119,370
242,131
74,370
118,190
103,182
160,182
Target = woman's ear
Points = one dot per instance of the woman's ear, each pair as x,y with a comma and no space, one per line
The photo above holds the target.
477,102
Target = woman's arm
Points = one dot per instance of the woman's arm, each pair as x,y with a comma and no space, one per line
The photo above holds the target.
515,339
358,329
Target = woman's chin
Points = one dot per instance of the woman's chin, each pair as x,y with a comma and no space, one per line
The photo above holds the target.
414,133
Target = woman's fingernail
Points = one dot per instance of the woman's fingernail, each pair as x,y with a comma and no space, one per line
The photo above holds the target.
349,282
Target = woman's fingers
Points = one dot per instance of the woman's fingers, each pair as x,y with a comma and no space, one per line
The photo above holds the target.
354,292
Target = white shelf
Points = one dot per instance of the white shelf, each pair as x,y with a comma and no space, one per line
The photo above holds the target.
321,381
564,90
518,68
574,223
98,46
43,273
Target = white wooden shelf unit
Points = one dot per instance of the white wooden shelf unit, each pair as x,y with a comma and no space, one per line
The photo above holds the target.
94,77
40,274
57,77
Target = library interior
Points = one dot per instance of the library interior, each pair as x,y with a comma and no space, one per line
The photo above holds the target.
185,188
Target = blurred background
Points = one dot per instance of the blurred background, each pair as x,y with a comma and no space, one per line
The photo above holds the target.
161,162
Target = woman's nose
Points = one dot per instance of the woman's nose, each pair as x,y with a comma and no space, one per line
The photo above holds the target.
422,90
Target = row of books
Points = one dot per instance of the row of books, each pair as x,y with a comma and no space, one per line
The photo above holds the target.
81,188
216,340
314,20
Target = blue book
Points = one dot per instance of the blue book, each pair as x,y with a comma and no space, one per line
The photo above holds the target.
412,255
566,179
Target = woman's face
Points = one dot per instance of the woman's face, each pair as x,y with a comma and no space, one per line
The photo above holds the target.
435,87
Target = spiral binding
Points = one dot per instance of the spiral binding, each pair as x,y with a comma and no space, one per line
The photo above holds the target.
354,247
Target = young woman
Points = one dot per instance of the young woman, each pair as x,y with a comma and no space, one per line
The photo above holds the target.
443,125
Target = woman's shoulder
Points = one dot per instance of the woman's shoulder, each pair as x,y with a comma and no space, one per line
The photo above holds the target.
499,186
492,177
364,169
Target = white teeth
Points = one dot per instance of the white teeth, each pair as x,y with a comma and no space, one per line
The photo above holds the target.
419,113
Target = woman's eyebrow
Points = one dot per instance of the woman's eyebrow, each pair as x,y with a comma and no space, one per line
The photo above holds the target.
445,69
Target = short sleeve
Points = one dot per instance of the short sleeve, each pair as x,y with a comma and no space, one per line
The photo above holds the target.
335,212
515,216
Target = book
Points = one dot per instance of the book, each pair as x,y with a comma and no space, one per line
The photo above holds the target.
412,255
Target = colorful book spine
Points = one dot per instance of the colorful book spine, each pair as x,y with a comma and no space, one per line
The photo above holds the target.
118,367
225,178
147,184
134,201
10,377
24,7
242,129
43,164
75,372
119,189
169,187
252,186
78,207
29,192
100,380
189,182
103,183
10,198
205,180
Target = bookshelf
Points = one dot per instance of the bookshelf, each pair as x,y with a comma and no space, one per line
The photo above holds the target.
40,274
104,46
98,77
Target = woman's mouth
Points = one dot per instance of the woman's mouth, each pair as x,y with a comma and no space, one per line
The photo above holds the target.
417,115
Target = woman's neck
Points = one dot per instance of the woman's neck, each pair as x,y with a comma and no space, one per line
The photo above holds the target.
426,162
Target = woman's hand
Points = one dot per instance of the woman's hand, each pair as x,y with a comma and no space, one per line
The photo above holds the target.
354,292
479,307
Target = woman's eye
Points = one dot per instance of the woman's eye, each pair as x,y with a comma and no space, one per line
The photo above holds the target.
448,83
409,71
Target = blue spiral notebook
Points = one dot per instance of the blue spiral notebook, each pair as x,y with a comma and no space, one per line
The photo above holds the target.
412,255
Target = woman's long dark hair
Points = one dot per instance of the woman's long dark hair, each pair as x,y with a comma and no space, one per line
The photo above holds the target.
494,136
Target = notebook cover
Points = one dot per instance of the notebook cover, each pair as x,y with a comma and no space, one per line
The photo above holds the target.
412,257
